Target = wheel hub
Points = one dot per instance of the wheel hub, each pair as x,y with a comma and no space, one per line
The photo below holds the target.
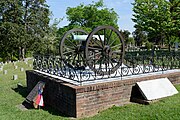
107,50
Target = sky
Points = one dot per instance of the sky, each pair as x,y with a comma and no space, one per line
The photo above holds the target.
122,7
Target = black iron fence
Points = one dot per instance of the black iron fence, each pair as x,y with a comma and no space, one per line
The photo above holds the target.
133,64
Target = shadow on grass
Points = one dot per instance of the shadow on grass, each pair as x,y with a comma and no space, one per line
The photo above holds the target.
53,111
21,90
29,104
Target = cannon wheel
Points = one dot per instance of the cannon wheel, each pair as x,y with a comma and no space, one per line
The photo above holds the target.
104,53
72,51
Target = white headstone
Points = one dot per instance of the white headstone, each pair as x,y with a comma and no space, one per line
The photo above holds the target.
157,88
15,67
5,72
15,77
30,65
21,69
1,68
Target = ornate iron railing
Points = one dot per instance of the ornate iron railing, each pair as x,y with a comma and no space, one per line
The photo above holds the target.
132,65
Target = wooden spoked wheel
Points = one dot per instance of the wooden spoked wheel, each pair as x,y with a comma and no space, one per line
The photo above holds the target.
104,50
72,50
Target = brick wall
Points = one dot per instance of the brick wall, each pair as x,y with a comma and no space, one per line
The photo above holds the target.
56,93
81,101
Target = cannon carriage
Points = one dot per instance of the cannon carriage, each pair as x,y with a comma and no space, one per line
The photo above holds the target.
102,50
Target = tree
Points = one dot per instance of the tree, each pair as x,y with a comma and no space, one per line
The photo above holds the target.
27,21
175,16
92,15
139,36
125,34
52,38
10,12
153,17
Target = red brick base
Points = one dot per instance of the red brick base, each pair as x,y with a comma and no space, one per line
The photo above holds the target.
87,100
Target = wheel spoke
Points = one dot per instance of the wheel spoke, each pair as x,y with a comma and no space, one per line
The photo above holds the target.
94,48
117,53
100,65
116,46
109,37
69,57
111,63
104,36
73,44
82,58
113,41
100,40
72,52
97,42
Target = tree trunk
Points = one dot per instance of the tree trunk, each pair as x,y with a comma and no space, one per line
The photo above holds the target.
169,45
20,54
23,52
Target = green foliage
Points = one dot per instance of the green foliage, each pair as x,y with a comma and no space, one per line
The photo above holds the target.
155,18
131,40
92,15
140,36
175,16
14,58
23,23
149,45
125,34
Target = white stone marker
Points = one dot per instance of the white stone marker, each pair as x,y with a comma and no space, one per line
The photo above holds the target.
21,69
15,67
14,63
1,68
15,77
30,65
5,72
157,88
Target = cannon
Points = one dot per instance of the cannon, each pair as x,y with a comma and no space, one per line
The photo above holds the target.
102,50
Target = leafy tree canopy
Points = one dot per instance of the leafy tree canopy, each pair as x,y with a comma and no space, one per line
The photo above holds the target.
157,18
92,15
22,25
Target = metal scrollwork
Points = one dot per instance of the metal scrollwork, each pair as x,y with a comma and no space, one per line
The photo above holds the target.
133,65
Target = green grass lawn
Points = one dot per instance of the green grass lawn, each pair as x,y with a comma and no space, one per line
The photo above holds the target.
11,96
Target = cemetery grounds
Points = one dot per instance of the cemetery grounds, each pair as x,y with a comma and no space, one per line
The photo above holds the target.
13,93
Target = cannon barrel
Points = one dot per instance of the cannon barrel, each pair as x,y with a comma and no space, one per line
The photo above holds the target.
84,37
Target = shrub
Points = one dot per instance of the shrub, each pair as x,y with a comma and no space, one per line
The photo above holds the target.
14,58
1,60
149,45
